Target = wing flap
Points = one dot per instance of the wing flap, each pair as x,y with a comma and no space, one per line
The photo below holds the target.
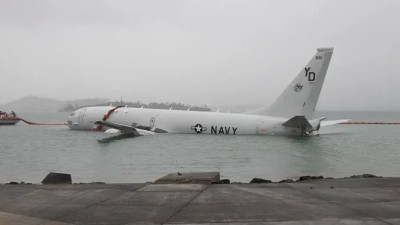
121,127
298,122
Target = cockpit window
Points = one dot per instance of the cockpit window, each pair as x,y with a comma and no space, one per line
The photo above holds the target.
72,114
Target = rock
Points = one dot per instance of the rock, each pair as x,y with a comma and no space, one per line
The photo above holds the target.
189,178
223,181
302,178
98,182
259,181
366,175
13,182
57,178
185,181
286,181
371,176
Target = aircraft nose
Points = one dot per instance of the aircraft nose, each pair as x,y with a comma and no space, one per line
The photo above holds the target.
73,119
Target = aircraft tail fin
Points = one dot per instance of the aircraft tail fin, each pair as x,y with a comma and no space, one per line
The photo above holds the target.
301,96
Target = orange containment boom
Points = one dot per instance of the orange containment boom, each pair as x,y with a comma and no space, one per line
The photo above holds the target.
52,124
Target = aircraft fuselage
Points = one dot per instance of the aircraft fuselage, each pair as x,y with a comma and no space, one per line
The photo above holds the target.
184,122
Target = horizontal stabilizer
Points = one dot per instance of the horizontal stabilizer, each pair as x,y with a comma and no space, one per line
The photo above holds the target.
332,122
298,122
121,127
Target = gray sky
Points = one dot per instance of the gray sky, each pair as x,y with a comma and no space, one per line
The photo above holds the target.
237,52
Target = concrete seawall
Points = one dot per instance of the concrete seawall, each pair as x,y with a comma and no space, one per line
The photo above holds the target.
328,201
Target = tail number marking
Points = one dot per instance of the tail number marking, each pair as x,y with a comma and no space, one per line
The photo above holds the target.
309,74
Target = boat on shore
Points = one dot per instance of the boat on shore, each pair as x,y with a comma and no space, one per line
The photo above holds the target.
8,119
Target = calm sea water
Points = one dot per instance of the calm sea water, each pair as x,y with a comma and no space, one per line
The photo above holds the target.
28,153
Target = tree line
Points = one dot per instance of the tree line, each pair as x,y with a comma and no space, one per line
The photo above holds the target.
139,104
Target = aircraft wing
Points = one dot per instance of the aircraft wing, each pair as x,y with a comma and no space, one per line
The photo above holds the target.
298,122
121,127
332,122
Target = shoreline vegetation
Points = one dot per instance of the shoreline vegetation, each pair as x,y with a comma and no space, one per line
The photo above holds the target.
39,104
139,104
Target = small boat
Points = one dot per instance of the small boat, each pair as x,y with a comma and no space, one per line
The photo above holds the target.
8,119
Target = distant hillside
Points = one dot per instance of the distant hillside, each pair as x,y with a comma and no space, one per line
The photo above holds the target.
33,104
37,104
88,101
80,103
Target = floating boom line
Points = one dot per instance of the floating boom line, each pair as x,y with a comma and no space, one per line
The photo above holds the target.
50,124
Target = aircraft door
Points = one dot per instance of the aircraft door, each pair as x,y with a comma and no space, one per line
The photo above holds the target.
152,122
81,116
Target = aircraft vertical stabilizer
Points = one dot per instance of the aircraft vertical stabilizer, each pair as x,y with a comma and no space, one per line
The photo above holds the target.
301,96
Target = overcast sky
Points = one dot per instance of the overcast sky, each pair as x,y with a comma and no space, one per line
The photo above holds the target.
224,53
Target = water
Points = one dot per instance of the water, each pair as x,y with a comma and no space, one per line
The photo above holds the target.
28,153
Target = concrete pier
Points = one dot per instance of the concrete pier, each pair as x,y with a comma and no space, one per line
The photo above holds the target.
328,201
189,178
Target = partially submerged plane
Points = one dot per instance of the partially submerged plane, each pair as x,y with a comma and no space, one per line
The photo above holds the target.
291,114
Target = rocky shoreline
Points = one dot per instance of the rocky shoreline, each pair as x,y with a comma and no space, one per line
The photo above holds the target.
58,178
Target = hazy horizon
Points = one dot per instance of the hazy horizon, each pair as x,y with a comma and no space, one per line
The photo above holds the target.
215,53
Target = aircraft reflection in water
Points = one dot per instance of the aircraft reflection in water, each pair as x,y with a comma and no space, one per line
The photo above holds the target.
291,114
